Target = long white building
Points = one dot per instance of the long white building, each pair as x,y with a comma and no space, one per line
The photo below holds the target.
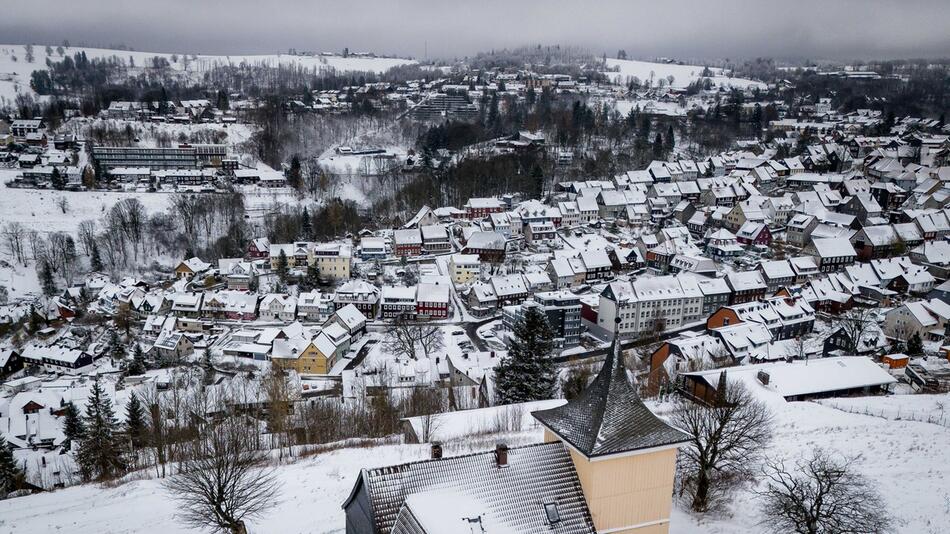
646,305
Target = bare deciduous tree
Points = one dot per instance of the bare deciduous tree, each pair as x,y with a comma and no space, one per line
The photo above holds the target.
430,338
401,338
14,238
278,406
87,236
427,404
406,336
727,437
821,495
855,323
225,479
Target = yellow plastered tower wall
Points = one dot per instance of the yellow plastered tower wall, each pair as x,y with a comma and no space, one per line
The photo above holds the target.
627,494
624,455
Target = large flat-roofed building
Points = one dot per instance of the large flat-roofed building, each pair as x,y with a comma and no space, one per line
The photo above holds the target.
182,157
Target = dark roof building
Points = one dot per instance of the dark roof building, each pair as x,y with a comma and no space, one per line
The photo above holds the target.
607,465
608,417
506,490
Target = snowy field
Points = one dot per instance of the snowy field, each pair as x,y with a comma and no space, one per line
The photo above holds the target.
683,75
15,74
38,209
909,461
312,493
149,133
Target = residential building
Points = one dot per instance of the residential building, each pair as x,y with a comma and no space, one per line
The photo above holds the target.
363,295
407,242
464,268
929,319
315,306
786,318
277,307
333,260
540,234
398,301
489,246
477,208
648,306
432,301
746,286
299,354
831,254
57,359
435,239
799,229
562,309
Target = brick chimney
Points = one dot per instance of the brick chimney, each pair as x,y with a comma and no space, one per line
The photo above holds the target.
436,450
501,455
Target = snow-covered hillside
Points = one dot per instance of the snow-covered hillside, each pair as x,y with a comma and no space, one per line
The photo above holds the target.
38,209
909,461
682,75
15,73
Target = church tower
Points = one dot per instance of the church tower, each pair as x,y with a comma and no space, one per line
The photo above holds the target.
624,455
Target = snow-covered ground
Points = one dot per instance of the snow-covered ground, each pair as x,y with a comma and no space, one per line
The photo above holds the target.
312,492
15,74
909,461
38,209
683,75
148,134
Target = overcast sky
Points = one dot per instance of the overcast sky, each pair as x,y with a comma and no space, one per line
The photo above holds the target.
800,29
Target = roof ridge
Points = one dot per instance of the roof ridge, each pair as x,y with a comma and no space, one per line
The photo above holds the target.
397,467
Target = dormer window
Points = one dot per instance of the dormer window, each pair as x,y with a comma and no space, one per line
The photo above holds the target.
552,514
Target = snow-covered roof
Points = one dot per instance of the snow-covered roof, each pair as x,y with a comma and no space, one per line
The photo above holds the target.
448,493
833,247
486,240
808,377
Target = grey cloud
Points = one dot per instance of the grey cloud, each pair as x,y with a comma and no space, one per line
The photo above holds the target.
816,29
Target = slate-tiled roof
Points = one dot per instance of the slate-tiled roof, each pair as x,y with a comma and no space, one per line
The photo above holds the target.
609,417
512,496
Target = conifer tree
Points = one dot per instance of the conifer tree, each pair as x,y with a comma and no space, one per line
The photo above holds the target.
658,147
527,372
99,456
306,224
46,279
313,276
135,421
915,345
538,175
295,174
208,368
95,261
11,476
73,426
282,266
119,352
57,180
138,365
721,389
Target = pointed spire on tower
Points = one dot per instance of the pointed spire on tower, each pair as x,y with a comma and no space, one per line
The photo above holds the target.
608,417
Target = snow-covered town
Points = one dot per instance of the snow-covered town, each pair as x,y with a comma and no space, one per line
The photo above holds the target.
545,288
